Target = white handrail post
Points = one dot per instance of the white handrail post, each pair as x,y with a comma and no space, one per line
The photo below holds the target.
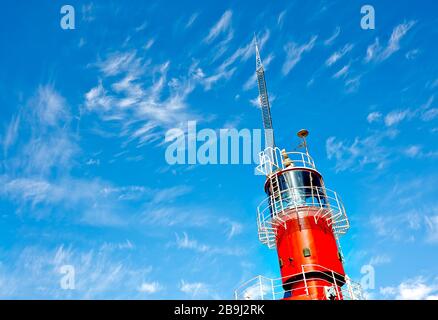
272,287
350,288
337,200
336,285
304,278
261,288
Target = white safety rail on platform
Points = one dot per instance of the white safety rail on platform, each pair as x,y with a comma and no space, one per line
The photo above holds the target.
277,209
263,288
271,160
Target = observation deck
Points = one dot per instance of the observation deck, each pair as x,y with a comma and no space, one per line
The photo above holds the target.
263,288
295,189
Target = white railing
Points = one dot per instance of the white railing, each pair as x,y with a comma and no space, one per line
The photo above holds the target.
263,288
275,210
271,160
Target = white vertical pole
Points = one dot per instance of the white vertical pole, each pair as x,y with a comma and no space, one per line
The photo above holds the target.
304,278
261,288
336,286
350,288
272,287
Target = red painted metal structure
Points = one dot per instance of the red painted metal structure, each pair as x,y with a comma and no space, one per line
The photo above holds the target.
301,239
302,219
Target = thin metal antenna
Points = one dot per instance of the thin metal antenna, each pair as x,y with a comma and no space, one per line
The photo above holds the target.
258,59
264,99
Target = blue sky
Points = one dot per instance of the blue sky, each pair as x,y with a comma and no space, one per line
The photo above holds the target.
84,113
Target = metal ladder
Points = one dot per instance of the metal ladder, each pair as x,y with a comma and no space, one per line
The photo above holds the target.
276,195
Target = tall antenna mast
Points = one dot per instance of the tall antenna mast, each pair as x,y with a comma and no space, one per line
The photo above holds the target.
264,100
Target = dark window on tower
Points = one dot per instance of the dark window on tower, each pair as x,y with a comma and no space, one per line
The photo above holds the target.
306,252
303,187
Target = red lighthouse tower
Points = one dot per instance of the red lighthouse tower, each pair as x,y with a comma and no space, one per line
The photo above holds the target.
302,219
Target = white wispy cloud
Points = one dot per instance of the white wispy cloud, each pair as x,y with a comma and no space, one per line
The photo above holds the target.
375,149
361,152
379,259
184,242
45,198
10,135
430,114
409,223
194,289
88,12
245,52
294,53
432,84
191,20
432,228
49,107
395,117
372,50
175,216
121,62
38,176
375,52
339,54
228,67
97,274
399,227
413,151
141,27
39,179
374,117
222,25
235,228
425,112
418,288
343,72
412,54
98,97
209,81
143,99
48,145
150,287
149,44
333,37
151,195
280,18
111,246
82,42
394,41
352,83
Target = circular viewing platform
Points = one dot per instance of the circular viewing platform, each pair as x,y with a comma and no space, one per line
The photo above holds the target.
263,288
321,204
